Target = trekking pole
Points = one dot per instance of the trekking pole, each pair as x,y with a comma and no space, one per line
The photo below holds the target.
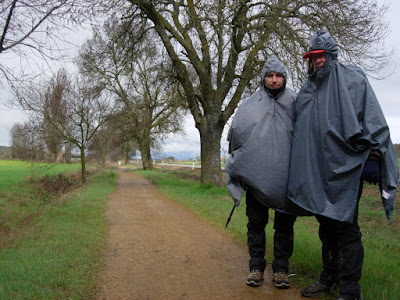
229,218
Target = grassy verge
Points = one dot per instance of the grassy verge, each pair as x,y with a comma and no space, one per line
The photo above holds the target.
55,249
381,238
13,171
27,190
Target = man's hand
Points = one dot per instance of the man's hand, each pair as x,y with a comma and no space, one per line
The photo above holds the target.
371,172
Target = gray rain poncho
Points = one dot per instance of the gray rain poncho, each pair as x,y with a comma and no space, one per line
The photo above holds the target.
259,140
338,122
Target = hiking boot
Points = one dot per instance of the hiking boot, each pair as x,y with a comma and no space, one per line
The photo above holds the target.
316,289
255,278
281,280
349,297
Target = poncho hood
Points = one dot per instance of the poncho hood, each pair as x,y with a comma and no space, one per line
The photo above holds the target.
322,40
273,64
338,122
260,139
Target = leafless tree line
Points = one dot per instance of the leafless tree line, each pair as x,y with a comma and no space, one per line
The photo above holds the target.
117,103
64,113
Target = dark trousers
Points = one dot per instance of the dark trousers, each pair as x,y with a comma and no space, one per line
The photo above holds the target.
257,215
342,253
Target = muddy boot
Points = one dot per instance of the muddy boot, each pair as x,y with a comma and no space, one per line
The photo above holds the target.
255,278
281,280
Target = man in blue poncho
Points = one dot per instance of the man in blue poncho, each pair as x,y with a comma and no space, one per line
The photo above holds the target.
340,140
259,145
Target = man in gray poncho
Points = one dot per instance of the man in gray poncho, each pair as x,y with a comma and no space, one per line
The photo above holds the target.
340,140
259,145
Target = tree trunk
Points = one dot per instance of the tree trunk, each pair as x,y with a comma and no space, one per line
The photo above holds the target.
125,147
144,145
67,153
127,157
146,156
83,165
210,139
103,157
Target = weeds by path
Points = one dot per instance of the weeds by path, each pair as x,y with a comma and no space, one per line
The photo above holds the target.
56,252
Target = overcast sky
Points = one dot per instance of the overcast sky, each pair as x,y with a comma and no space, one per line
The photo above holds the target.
387,92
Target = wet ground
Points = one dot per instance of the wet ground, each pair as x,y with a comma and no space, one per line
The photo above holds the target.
158,249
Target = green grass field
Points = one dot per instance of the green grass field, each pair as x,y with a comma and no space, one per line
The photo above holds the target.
381,238
12,172
50,245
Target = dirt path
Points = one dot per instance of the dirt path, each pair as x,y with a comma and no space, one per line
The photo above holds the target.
157,249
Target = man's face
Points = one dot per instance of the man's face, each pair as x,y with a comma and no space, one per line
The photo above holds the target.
318,60
274,80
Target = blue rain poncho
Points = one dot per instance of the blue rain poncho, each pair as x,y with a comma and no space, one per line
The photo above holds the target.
260,138
338,122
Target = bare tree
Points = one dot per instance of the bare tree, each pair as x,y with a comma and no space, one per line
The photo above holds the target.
31,32
125,145
218,47
84,109
151,105
67,153
27,142
113,143
101,144
55,108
